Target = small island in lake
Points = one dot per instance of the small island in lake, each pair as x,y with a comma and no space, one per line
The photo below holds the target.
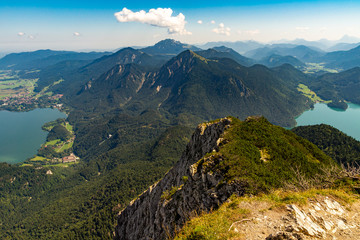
338,104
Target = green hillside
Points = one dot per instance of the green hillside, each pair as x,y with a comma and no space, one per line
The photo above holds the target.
342,148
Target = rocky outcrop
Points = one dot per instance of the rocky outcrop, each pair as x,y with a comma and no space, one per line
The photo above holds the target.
323,217
186,189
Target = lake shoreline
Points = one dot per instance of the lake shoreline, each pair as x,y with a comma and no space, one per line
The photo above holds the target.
17,146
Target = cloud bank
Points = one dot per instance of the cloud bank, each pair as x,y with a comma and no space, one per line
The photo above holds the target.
160,17
221,29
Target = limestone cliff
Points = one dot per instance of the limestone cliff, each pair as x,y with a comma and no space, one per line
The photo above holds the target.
165,206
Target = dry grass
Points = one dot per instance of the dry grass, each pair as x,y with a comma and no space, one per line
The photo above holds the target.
218,224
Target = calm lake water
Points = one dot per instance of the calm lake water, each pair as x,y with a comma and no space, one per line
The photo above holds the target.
346,121
21,134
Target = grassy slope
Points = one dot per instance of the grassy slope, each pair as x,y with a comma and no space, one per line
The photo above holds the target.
242,157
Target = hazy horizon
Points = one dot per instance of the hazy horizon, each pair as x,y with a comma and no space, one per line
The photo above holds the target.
91,25
281,41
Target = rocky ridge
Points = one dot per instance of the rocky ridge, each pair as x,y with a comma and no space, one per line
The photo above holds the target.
224,158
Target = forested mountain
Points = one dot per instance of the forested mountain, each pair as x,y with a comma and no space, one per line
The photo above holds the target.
195,85
123,56
74,78
113,89
43,58
339,86
343,60
192,85
277,60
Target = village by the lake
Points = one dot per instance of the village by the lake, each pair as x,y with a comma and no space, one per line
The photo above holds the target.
17,92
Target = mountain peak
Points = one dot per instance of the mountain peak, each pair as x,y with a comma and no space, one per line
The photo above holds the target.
167,42
223,49
188,56
349,39
168,47
127,49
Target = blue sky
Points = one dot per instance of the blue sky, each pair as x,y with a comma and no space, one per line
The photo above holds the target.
91,25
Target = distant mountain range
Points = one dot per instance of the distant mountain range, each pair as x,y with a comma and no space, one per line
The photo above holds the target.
343,44
342,59
343,55
301,52
82,70
43,58
239,46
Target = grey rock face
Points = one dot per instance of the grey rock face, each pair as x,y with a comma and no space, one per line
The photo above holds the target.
186,189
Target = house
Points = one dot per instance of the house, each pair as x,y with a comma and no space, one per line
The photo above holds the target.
70,158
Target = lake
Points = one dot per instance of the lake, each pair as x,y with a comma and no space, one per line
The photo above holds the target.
347,121
21,134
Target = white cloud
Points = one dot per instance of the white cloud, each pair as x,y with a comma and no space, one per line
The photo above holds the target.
160,17
21,34
221,29
212,22
200,22
302,28
31,37
76,34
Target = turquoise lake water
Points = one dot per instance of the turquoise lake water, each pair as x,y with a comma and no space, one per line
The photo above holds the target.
21,134
346,121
